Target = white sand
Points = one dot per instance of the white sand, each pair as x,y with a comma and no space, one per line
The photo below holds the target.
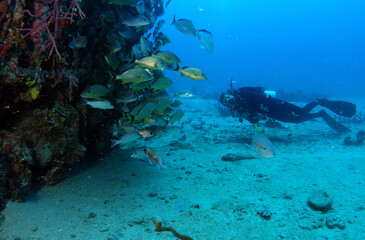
310,156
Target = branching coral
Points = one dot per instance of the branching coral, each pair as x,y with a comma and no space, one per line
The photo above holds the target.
46,17
4,45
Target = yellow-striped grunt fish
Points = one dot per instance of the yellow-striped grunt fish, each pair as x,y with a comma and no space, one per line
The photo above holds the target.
262,145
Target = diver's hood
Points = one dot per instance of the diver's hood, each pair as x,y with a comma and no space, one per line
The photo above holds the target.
224,99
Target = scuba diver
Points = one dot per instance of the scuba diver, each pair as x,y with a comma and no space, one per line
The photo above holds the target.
253,104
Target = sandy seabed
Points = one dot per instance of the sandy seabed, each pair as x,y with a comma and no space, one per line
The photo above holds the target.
202,196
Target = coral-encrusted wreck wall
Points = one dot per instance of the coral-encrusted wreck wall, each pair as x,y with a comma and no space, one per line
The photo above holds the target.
45,126
40,79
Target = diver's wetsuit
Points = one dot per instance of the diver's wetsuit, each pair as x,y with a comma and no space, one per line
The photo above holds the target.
253,104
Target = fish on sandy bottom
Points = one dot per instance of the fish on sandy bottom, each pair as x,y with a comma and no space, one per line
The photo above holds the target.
185,94
148,154
262,145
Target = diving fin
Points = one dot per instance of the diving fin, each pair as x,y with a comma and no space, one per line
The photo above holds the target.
341,108
333,124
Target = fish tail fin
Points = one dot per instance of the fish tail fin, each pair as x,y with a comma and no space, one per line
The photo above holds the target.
254,151
86,102
150,162
173,21
250,146
176,68
114,143
161,165
166,122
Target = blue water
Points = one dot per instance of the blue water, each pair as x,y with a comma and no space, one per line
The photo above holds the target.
315,46
290,45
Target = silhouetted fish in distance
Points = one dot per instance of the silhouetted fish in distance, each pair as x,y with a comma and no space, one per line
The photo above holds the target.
185,26
78,42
